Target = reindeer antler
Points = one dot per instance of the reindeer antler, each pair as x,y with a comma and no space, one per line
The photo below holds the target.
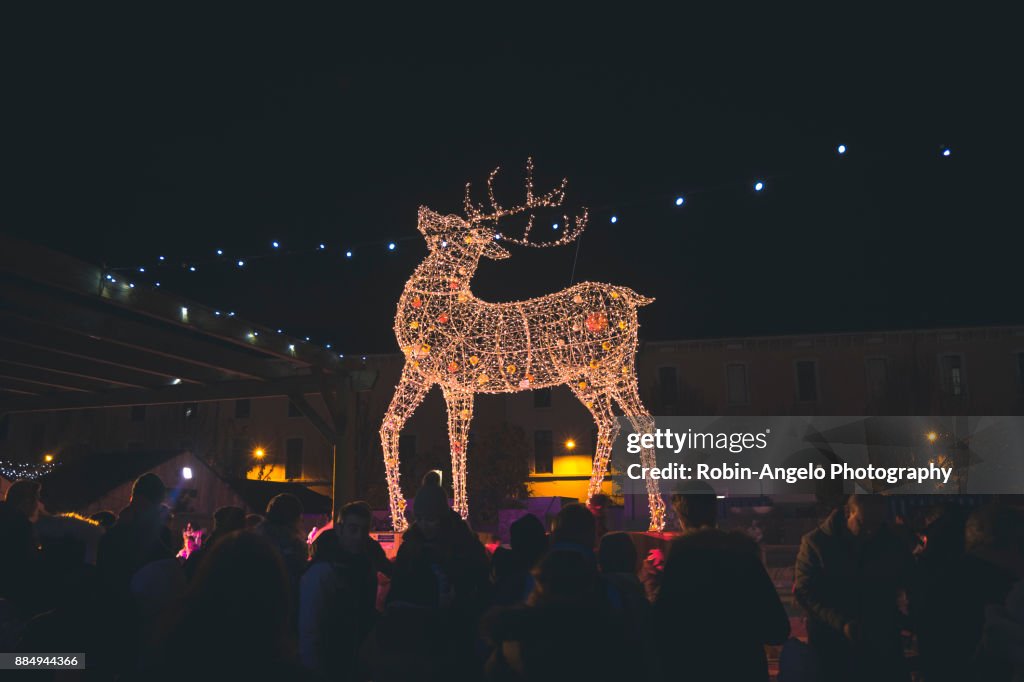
476,214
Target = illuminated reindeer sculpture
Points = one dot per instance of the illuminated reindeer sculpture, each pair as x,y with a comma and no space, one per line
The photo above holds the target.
584,337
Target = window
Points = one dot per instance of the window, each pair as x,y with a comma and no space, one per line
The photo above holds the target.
953,375
806,381
543,452
407,446
243,408
138,413
293,458
542,397
190,410
668,384
877,376
293,410
736,382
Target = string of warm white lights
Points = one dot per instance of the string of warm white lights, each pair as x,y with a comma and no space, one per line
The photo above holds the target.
19,471
584,337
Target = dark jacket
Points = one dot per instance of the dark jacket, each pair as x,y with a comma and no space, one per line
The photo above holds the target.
841,579
717,608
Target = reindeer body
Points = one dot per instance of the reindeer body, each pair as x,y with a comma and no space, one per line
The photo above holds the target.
583,337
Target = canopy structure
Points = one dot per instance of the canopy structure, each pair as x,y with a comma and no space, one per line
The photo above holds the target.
72,337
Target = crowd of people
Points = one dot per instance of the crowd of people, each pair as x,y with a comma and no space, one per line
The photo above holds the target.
252,599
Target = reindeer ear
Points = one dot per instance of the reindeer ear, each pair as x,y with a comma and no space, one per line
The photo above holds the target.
432,223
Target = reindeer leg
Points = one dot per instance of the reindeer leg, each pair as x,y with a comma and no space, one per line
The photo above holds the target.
629,400
460,415
408,395
600,407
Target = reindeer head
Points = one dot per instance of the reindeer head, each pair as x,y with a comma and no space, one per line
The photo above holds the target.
458,236
477,235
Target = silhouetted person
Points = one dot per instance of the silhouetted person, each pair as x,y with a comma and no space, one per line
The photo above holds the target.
281,527
18,564
598,506
557,635
849,574
717,607
411,639
983,578
574,528
617,561
232,621
226,520
439,542
338,594
26,496
512,569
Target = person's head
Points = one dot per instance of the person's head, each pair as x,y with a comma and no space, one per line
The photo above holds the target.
574,525
599,504
25,497
239,599
995,527
563,577
866,514
430,508
696,506
105,518
432,477
148,490
353,526
253,520
228,519
284,510
528,539
616,554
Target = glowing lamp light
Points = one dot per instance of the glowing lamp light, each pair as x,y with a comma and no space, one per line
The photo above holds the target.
322,247
186,473
307,339
932,436
328,346
291,347
570,444
391,246
554,226
720,497
241,263
220,252
191,268
48,458
680,201
184,313
156,284
758,186
259,453
131,285
142,269
348,254
161,258
615,219
276,245
946,151
175,381
231,314
841,149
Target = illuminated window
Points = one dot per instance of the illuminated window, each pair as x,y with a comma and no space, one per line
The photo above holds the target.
543,452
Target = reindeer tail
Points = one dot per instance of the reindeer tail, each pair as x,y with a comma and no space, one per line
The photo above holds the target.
635,298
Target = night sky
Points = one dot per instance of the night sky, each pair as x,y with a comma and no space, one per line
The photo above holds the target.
132,138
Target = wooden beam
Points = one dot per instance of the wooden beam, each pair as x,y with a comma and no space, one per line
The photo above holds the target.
182,393
80,346
50,380
29,356
169,342
314,417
